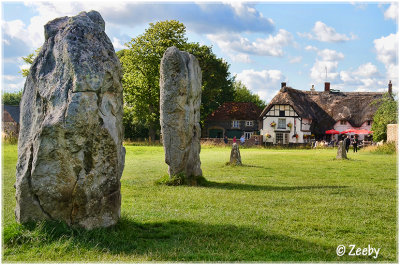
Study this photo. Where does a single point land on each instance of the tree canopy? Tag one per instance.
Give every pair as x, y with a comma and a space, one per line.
242, 94
386, 114
141, 65
11, 98
29, 60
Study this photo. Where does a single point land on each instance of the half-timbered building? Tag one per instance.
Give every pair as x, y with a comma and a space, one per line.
296, 116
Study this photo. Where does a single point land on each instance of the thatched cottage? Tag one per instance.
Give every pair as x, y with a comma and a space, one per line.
233, 119
296, 116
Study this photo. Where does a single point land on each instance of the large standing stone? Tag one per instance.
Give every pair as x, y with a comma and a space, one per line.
235, 158
70, 153
180, 99
341, 152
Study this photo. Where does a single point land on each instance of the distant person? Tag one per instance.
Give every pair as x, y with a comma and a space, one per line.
354, 145
226, 139
347, 141
234, 139
242, 139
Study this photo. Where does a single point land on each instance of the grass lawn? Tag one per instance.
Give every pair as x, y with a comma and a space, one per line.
283, 205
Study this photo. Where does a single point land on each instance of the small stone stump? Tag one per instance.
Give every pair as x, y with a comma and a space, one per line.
70, 152
341, 153
235, 159
180, 99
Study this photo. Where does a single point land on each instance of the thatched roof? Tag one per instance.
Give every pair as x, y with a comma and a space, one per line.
327, 108
235, 111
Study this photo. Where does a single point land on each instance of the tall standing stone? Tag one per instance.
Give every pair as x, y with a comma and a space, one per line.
341, 152
235, 158
180, 99
70, 153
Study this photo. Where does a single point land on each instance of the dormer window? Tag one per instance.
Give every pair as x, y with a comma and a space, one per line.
368, 122
343, 122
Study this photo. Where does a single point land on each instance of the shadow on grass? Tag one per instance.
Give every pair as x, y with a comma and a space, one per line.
166, 241
245, 165
239, 186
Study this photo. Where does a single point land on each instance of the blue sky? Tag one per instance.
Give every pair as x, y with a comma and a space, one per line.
352, 45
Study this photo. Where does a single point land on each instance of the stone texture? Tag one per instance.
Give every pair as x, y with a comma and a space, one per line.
235, 159
341, 152
180, 99
70, 153
391, 133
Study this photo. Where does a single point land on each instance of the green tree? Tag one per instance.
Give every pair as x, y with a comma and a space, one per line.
11, 98
386, 114
141, 65
242, 94
217, 84
29, 60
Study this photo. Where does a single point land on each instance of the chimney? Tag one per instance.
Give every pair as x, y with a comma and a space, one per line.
390, 87
283, 84
327, 86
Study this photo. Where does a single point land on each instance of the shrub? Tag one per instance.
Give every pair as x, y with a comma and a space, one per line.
10, 139
387, 148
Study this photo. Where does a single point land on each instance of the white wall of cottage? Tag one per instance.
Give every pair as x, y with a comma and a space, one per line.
299, 126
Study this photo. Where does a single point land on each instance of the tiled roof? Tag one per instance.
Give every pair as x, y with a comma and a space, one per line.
235, 111
13, 111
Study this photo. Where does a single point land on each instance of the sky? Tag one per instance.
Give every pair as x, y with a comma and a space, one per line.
352, 45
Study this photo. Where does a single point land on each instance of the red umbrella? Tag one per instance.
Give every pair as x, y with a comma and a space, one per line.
349, 131
332, 132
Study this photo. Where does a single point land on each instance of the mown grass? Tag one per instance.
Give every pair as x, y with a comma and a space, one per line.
282, 205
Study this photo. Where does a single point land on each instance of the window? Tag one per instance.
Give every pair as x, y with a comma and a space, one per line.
343, 122
248, 135
281, 113
368, 122
279, 138
235, 124
281, 123
249, 123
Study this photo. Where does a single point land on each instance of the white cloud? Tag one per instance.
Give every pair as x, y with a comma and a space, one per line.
367, 70
358, 5
13, 83
117, 44
365, 78
387, 53
310, 48
209, 18
10, 77
324, 33
16, 29
296, 59
264, 83
325, 66
237, 46
330, 55
392, 12
386, 48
